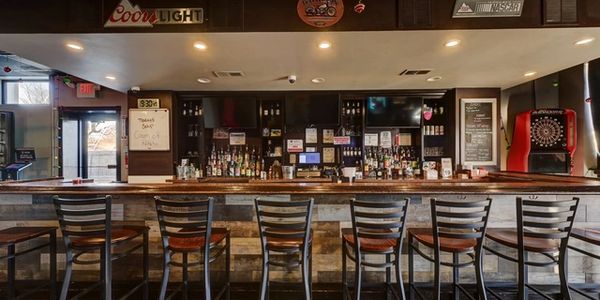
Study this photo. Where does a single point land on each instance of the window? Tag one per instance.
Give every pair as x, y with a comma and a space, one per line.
26, 92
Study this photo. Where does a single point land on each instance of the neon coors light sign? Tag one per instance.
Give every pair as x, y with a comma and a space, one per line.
129, 15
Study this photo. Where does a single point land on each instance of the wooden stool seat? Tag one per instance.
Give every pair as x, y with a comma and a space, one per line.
509, 238
197, 243
425, 237
118, 234
590, 235
16, 235
369, 245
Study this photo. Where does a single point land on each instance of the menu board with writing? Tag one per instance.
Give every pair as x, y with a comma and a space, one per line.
149, 130
478, 132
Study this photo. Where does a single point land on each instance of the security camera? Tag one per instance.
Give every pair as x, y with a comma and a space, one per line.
135, 89
292, 79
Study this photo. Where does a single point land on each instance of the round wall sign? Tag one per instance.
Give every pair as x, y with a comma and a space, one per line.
320, 13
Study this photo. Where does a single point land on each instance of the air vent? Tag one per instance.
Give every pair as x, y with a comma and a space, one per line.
228, 74
415, 72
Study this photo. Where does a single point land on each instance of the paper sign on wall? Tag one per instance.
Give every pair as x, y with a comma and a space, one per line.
295, 145
371, 139
341, 140
237, 138
328, 155
311, 135
327, 136
386, 139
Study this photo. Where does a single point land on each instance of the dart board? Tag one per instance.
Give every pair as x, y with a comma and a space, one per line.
548, 132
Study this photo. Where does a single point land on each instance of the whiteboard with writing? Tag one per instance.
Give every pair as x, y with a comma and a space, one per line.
149, 130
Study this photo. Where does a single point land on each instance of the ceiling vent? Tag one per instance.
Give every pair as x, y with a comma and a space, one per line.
415, 72
228, 74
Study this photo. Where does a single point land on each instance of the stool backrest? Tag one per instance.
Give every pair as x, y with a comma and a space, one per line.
83, 217
378, 220
545, 220
284, 220
462, 220
184, 218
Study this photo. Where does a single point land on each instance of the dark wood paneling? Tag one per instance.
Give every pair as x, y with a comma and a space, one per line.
152, 162
414, 14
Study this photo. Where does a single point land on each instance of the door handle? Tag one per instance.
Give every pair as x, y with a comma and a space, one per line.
112, 166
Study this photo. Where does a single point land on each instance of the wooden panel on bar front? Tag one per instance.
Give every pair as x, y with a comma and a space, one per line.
152, 162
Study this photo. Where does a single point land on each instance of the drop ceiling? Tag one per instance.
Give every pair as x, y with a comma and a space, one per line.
356, 60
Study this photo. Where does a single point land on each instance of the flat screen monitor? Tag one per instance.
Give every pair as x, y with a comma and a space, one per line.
309, 158
229, 112
319, 109
394, 111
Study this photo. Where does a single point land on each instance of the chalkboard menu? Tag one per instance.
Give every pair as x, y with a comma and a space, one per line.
478, 132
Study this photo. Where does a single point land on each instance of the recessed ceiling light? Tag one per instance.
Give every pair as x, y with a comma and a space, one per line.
325, 45
200, 45
434, 78
110, 77
75, 46
584, 41
203, 80
529, 74
452, 43
318, 80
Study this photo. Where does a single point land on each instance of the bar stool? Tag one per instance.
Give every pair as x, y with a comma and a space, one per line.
458, 227
86, 227
186, 228
285, 228
377, 229
591, 236
10, 237
543, 227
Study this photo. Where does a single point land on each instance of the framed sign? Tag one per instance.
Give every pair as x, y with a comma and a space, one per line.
149, 130
478, 132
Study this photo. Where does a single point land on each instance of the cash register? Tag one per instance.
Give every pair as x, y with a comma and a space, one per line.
23, 160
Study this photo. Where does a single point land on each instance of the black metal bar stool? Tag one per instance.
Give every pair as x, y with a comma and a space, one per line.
377, 229
543, 227
186, 228
458, 227
10, 237
591, 236
285, 229
87, 228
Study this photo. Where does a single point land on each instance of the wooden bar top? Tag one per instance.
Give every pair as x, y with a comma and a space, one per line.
495, 183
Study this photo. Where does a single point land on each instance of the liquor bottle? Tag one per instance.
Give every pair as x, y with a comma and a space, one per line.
269, 150
277, 111
272, 112
184, 112
265, 112
190, 111
208, 170
348, 111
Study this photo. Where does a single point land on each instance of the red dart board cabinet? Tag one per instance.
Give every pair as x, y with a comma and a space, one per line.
544, 141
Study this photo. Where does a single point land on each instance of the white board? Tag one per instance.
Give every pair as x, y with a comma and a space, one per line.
149, 130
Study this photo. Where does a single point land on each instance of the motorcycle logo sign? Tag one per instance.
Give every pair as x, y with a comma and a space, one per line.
320, 13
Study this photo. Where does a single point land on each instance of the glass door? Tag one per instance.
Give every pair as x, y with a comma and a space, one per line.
90, 144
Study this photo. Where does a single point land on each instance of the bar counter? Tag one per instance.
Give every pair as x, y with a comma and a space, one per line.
495, 183
29, 204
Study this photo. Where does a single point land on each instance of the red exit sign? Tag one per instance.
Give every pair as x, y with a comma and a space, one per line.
87, 90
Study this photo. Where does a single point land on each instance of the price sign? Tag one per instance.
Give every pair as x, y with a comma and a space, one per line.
148, 103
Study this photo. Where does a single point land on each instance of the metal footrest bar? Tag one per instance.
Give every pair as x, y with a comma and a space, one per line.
582, 293
538, 291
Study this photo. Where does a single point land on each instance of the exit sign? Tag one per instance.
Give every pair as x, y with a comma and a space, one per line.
87, 90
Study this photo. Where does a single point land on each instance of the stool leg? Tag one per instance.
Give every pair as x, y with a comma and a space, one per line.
53, 265
11, 271
455, 276
411, 266
399, 275
305, 275
388, 277
357, 275
563, 274
227, 267
344, 275
146, 265
207, 292
68, 273
436, 281
185, 275
522, 274
479, 275
165, 277
264, 284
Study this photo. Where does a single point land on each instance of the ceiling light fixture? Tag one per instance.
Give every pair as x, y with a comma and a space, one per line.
324, 45
434, 78
200, 45
75, 46
110, 77
318, 80
203, 80
452, 43
584, 41
529, 74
